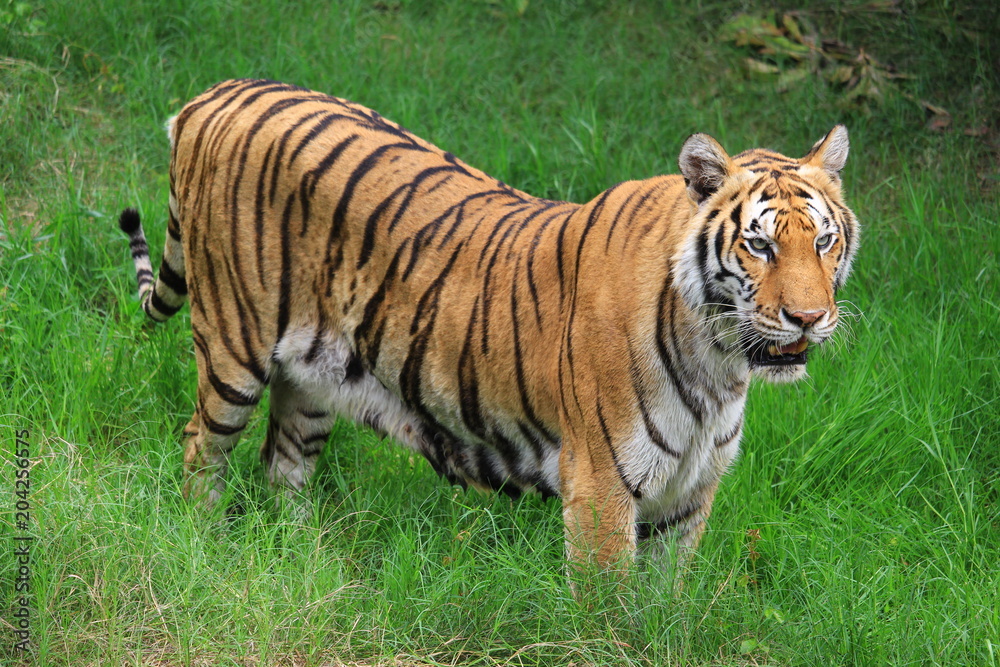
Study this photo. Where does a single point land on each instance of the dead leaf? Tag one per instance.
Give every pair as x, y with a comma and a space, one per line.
938, 123
755, 66
933, 109
788, 79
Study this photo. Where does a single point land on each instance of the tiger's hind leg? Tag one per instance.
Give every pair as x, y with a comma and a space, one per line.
227, 396
298, 429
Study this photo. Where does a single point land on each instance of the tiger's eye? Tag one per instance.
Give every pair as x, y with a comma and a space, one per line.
759, 243
823, 241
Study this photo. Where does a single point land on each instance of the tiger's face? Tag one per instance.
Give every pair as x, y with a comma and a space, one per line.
771, 244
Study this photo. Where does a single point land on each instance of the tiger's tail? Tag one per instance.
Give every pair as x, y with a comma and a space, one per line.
163, 297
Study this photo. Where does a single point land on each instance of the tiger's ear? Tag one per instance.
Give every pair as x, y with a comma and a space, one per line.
830, 152
705, 166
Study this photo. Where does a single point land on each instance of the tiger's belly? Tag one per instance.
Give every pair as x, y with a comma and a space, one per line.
504, 456
507, 454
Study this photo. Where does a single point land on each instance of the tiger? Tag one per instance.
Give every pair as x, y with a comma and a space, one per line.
599, 353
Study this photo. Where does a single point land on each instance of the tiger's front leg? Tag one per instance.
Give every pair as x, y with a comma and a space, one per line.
599, 511
678, 533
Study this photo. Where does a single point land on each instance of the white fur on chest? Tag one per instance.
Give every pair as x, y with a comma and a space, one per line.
701, 454
698, 451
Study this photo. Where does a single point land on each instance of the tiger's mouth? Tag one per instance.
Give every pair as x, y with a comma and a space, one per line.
764, 353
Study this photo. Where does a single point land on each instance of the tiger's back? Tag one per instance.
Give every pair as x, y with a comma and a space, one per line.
517, 343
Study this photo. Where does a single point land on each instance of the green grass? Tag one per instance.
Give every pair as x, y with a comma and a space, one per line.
874, 485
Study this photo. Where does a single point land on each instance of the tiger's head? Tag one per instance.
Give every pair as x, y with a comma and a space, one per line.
769, 245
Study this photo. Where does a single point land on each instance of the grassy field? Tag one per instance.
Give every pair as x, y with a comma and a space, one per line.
861, 525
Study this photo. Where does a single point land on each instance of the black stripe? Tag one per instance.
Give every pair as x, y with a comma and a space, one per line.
376, 122
250, 363
507, 451
247, 138
618, 215
285, 289
138, 247
559, 255
489, 475
655, 435
413, 184
522, 386
258, 214
160, 305
634, 490
459, 210
217, 428
375, 344
371, 225
591, 219
353, 370
724, 440
500, 224
365, 166
724, 272
372, 308
290, 438
421, 328
646, 529
736, 217
665, 357
703, 262
247, 314
638, 207
275, 444
310, 180
486, 291
321, 438
427, 305
530, 262
314, 132
843, 224
421, 239
691, 377
532, 439
314, 347
720, 242
203, 126
173, 229
282, 144
172, 279
226, 392
468, 381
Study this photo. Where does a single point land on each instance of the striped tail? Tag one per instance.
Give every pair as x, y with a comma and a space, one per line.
165, 297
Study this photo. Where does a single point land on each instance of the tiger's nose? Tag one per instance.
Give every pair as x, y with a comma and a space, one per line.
804, 318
